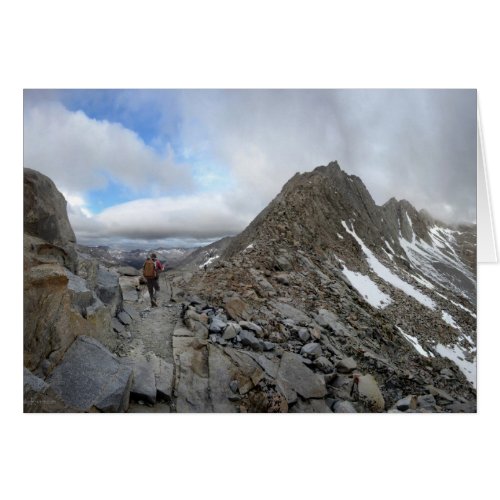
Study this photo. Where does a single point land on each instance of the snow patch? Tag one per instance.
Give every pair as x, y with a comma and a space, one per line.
388, 254
340, 236
424, 257
367, 289
388, 275
456, 354
457, 304
414, 342
411, 226
209, 261
448, 319
422, 281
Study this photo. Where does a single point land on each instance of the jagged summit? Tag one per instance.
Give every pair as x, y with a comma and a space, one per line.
312, 208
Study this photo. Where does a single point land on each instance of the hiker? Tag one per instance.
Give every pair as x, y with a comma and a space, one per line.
151, 271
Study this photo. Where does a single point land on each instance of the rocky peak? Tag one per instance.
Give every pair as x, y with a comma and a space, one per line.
401, 218
309, 210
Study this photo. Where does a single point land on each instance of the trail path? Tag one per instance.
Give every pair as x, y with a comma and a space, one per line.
151, 331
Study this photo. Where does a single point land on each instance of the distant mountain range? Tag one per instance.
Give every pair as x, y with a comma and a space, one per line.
170, 257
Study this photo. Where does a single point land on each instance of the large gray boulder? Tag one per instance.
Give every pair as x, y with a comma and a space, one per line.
288, 311
248, 339
330, 320
90, 376
45, 214
369, 392
294, 377
81, 296
108, 289
312, 349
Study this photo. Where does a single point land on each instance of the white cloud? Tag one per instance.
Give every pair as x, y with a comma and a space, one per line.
79, 153
193, 217
245, 145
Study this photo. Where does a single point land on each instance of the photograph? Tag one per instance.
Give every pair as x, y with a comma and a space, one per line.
249, 250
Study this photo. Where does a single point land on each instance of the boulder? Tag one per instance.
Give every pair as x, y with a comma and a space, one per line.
45, 214
268, 346
232, 329
81, 296
248, 339
440, 393
294, 377
248, 325
90, 376
407, 403
108, 289
324, 364
124, 318
217, 325
287, 311
282, 263
426, 401
304, 334
369, 392
312, 349
346, 365
329, 320
237, 309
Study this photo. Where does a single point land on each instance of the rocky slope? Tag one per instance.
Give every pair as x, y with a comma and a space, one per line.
328, 275
204, 256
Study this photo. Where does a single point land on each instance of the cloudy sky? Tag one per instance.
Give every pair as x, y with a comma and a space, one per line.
147, 168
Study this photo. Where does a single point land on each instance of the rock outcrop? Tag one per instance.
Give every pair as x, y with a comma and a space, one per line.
66, 295
90, 377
